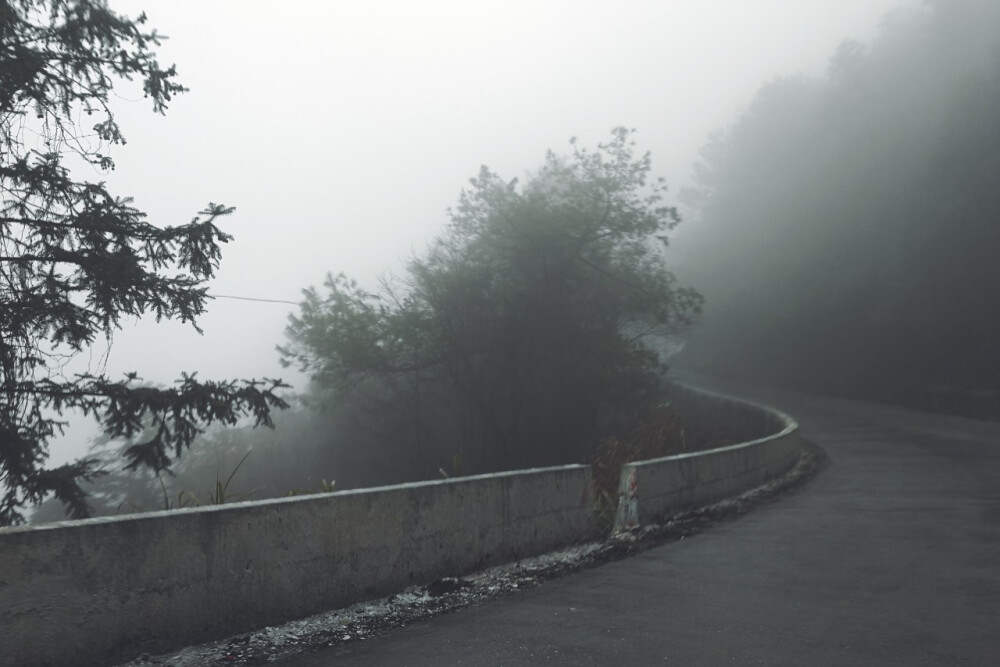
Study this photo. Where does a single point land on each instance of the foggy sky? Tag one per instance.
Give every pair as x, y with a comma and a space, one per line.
343, 131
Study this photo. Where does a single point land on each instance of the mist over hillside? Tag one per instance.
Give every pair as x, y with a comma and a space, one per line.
529, 341
846, 232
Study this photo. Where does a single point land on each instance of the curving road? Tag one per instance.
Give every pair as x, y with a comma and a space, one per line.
891, 556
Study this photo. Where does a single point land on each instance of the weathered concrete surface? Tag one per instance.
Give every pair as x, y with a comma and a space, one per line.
105, 590
652, 489
890, 557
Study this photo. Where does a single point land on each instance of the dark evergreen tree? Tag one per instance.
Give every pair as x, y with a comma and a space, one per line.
75, 258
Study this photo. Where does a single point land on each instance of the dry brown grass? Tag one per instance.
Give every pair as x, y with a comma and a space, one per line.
653, 433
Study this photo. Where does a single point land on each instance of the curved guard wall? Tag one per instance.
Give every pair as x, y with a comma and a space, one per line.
653, 489
105, 590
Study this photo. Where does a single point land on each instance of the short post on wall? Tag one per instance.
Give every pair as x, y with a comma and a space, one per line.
627, 516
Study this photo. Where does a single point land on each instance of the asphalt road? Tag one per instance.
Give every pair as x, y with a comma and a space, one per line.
891, 556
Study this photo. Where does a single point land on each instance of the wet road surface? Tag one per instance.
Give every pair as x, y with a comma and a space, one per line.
891, 556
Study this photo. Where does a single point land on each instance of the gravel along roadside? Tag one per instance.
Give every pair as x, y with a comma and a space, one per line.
377, 617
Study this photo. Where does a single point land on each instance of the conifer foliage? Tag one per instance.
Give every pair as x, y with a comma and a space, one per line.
75, 258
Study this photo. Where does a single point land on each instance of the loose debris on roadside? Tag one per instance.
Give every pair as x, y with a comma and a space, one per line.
378, 617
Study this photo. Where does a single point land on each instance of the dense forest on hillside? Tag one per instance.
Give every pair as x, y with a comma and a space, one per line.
847, 229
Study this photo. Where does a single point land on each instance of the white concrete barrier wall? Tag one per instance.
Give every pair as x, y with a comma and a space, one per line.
653, 489
104, 590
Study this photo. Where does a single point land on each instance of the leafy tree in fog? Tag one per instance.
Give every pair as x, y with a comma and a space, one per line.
521, 335
75, 258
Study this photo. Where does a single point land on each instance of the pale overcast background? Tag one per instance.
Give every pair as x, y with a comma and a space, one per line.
342, 131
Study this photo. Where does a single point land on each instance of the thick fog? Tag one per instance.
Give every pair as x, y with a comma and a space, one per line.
342, 132
846, 237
